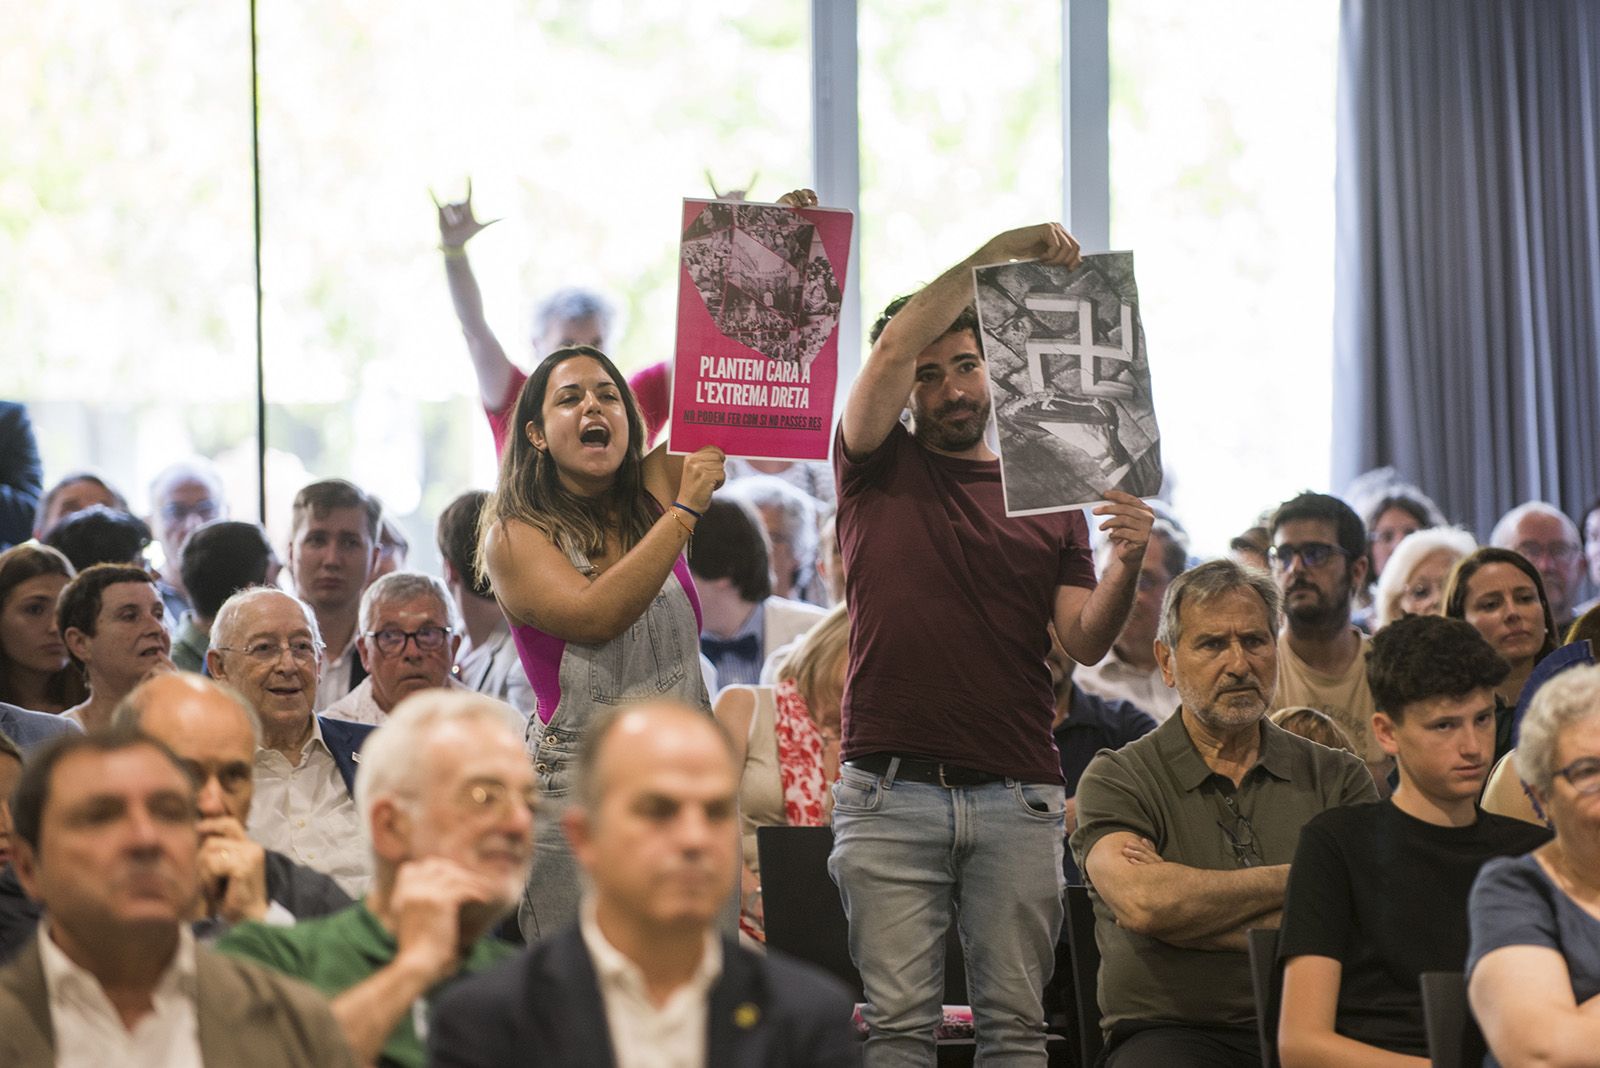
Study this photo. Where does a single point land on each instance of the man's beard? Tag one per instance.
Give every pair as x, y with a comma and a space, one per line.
1325, 611
937, 431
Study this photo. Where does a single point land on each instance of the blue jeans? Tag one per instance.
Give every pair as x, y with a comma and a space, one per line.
906, 857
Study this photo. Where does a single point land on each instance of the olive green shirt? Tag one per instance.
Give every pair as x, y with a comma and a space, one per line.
336, 952
1160, 788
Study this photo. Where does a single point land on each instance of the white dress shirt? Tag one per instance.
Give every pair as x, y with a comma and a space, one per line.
642, 1035
1114, 679
360, 705
305, 812
336, 670
88, 1030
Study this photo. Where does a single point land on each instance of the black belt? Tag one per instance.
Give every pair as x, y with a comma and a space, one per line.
921, 769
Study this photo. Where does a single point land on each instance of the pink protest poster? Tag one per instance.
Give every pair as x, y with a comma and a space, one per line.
759, 288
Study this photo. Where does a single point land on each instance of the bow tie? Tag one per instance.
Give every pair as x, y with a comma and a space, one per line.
746, 648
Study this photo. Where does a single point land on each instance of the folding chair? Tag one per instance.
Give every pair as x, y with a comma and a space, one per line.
1085, 972
1266, 979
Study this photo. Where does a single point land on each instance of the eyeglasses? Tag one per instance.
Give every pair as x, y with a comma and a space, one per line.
497, 799
1311, 554
263, 651
1583, 774
1558, 552
392, 640
1242, 838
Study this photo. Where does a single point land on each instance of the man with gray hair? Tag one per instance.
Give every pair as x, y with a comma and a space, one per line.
183, 496
407, 634
215, 732
790, 518
1543, 534
447, 798
266, 645
1185, 836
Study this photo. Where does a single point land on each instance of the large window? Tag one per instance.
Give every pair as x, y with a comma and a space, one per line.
1222, 151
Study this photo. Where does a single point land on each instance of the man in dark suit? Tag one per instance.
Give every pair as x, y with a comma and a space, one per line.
643, 979
21, 474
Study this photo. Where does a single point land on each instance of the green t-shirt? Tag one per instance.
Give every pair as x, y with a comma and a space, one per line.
334, 953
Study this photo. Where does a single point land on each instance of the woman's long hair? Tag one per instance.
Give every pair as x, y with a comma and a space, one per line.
18, 564
529, 488
1455, 590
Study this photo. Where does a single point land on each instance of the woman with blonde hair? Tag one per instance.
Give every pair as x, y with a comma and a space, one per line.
786, 739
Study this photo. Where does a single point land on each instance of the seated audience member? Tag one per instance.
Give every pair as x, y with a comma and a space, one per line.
305, 765
407, 636
1533, 969
743, 619
110, 619
1319, 558
1413, 583
790, 519
830, 560
489, 663
73, 493
1313, 725
1378, 892
106, 841
1546, 538
35, 671
393, 549
786, 744
219, 559
1591, 552
1083, 725
814, 478
1398, 512
1501, 594
214, 733
1185, 835
1129, 671
21, 474
100, 535
642, 978
333, 549
182, 497
447, 796
1249, 549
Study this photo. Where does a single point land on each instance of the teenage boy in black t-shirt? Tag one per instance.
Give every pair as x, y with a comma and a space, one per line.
1378, 892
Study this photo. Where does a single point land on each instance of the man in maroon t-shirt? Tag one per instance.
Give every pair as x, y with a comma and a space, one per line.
950, 799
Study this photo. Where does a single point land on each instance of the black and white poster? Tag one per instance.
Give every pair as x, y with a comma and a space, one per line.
1070, 381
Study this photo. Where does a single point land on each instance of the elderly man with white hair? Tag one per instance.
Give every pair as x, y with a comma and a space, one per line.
407, 634
447, 798
182, 497
790, 518
266, 645
1550, 541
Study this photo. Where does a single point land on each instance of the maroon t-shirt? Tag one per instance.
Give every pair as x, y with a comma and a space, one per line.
949, 604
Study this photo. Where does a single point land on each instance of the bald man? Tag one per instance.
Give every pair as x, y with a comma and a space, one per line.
215, 732
643, 978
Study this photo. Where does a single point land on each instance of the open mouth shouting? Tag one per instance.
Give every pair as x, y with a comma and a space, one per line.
595, 436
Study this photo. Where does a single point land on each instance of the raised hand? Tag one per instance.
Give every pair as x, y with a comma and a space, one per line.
799, 198
702, 475
1046, 242
456, 223
1127, 525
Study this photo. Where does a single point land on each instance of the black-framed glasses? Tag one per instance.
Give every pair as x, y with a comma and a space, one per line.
392, 640
1583, 774
1242, 839
1311, 554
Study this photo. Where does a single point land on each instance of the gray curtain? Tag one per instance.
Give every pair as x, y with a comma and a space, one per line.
1467, 258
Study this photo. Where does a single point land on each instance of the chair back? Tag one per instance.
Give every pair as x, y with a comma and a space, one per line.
1266, 980
1085, 972
1454, 1040
805, 917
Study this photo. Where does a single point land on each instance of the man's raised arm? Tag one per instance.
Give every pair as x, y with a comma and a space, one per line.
884, 385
